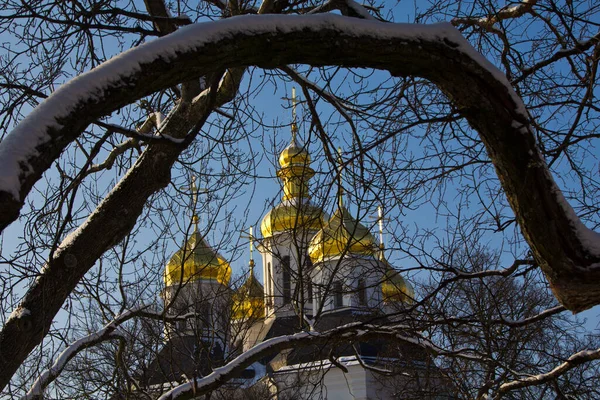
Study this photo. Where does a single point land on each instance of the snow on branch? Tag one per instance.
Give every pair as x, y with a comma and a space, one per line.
579, 48
349, 8
346, 333
536, 318
572, 362
567, 251
507, 12
109, 332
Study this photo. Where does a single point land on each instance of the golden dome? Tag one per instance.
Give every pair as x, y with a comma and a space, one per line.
342, 234
196, 260
295, 211
294, 155
249, 299
394, 287
291, 215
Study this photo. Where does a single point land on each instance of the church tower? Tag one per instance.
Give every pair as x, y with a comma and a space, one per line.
286, 231
197, 306
346, 272
197, 280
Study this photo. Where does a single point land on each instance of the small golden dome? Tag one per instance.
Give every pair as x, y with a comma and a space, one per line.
342, 234
394, 287
294, 155
249, 299
196, 260
290, 215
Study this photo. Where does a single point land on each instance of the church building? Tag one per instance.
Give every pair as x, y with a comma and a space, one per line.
319, 272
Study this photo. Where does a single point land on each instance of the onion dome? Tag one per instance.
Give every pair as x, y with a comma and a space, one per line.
295, 211
341, 235
291, 215
196, 260
294, 155
394, 287
249, 299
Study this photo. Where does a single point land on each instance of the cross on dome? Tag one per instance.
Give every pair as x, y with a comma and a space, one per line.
193, 190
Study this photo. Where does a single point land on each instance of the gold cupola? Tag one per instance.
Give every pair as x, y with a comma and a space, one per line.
342, 235
295, 211
393, 287
249, 299
196, 260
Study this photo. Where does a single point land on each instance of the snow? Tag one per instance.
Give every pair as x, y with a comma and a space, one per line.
110, 330
541, 315
42, 381
588, 238
20, 145
353, 331
359, 9
571, 362
18, 313
224, 370
346, 361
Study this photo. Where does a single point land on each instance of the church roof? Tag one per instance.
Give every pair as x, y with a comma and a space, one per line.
180, 359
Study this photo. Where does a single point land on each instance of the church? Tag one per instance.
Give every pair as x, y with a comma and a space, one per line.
319, 272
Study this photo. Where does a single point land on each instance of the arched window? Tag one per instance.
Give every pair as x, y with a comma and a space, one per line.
287, 285
338, 294
269, 280
362, 292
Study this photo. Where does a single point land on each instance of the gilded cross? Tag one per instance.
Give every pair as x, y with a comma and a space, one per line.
294, 122
193, 190
250, 238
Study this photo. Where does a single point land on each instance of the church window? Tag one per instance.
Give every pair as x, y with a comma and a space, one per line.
318, 297
269, 279
338, 294
287, 285
362, 292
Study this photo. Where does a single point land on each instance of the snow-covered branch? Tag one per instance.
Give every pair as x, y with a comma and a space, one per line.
579, 48
499, 321
109, 332
572, 362
567, 251
536, 318
349, 8
347, 334
507, 12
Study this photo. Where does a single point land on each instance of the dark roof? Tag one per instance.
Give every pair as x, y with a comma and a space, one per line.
373, 349
284, 326
184, 355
